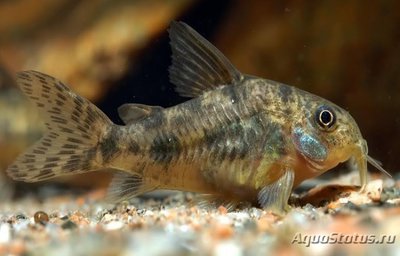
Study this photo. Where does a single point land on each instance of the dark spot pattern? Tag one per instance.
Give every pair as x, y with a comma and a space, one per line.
165, 148
244, 140
46, 173
108, 145
73, 127
192, 106
178, 120
286, 93
155, 121
209, 175
231, 93
133, 147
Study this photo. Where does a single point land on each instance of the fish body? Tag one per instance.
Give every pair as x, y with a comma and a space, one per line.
240, 137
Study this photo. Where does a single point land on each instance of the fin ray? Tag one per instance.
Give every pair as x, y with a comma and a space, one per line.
132, 112
197, 65
125, 186
209, 201
275, 196
73, 129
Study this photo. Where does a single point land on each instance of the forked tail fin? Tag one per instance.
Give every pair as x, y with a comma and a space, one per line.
74, 127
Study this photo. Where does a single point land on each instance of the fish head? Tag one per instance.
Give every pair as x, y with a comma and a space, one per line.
328, 135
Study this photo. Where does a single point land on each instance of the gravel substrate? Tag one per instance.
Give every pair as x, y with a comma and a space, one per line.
349, 223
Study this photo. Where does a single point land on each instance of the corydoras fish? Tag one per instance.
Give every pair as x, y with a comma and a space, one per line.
240, 137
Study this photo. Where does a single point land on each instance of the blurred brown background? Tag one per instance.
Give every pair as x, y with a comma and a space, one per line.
117, 51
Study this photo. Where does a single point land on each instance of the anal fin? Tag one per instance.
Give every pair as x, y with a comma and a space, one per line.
125, 186
275, 196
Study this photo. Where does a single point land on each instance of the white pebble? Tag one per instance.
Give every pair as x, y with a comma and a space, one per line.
224, 220
240, 216
5, 233
108, 218
114, 225
228, 248
21, 225
148, 213
185, 228
255, 212
299, 217
170, 227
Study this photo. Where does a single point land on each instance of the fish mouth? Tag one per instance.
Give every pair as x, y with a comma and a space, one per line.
362, 159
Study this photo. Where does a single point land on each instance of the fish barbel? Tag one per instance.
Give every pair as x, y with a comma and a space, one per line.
240, 137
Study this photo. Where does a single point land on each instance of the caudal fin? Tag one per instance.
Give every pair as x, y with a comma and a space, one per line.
74, 127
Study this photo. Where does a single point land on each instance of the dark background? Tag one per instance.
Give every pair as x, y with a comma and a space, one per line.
148, 83
347, 52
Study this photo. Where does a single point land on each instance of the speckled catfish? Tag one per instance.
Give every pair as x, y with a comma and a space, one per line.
240, 137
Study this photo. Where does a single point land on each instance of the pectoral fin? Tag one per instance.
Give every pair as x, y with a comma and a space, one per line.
275, 196
124, 186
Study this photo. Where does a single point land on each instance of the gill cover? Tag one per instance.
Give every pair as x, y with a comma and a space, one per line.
309, 146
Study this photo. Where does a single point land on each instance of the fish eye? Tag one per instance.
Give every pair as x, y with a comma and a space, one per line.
325, 117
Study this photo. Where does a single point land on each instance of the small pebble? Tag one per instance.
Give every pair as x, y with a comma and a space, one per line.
255, 212
69, 225
17, 248
21, 225
228, 248
222, 209
265, 223
5, 233
239, 216
374, 190
41, 217
20, 217
223, 231
114, 225
108, 218
223, 219
65, 217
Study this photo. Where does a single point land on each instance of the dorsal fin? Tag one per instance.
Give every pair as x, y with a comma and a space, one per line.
197, 65
132, 112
